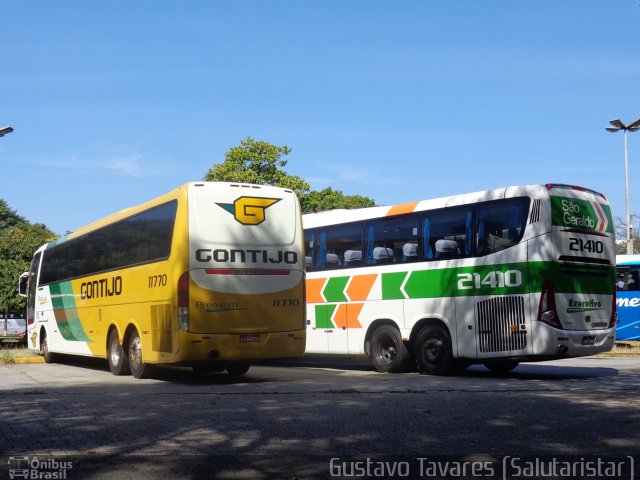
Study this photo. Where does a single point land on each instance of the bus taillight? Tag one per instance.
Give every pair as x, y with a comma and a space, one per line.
614, 313
547, 310
183, 301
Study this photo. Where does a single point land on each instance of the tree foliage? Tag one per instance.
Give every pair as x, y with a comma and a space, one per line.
17, 244
621, 235
257, 162
262, 163
9, 217
329, 199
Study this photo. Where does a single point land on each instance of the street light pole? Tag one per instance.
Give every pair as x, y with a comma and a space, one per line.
616, 126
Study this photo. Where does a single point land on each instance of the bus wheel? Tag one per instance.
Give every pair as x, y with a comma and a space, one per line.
118, 360
239, 369
139, 369
387, 352
433, 351
501, 366
44, 349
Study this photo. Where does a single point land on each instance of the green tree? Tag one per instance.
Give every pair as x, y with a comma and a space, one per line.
329, 199
262, 163
257, 162
17, 244
621, 234
9, 217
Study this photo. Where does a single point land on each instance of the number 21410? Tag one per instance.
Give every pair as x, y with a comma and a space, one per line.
495, 279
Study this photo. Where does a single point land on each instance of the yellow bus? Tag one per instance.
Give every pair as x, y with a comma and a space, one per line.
209, 275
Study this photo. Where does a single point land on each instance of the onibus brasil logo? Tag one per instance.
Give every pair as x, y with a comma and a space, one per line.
249, 210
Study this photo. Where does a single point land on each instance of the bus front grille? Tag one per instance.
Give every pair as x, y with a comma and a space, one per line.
501, 324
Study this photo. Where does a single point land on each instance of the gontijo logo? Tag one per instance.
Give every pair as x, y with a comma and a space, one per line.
249, 210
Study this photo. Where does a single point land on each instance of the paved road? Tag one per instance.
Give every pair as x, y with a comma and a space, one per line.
290, 411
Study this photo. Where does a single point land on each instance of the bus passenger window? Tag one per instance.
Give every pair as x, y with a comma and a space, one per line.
501, 224
628, 278
446, 233
334, 243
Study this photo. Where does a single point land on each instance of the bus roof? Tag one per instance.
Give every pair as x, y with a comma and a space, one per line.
628, 259
338, 216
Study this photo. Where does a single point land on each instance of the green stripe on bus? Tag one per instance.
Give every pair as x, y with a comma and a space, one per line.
502, 279
324, 314
334, 289
66, 313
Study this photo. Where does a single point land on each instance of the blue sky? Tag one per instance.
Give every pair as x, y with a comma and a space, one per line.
114, 103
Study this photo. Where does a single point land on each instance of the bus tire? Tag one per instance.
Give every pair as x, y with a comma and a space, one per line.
139, 369
118, 360
433, 351
387, 351
501, 366
238, 369
44, 349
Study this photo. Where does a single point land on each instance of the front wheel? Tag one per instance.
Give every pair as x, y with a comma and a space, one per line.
139, 369
44, 349
387, 352
433, 351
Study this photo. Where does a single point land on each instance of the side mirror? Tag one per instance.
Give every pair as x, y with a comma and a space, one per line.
23, 280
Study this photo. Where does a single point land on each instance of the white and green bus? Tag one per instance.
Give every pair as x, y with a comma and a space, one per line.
523, 273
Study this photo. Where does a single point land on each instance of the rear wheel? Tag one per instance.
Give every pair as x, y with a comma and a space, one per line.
238, 369
387, 352
501, 366
139, 369
433, 351
118, 360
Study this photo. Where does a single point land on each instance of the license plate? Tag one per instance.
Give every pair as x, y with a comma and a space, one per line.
249, 338
588, 340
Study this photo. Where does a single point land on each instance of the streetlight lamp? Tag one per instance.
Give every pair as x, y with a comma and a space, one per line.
617, 125
5, 130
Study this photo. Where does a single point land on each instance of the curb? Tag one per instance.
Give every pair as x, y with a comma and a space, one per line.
29, 360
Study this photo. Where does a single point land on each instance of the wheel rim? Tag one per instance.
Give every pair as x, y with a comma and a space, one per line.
135, 353
433, 350
386, 350
44, 349
114, 350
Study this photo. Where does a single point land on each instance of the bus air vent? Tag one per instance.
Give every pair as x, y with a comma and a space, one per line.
535, 212
501, 324
161, 328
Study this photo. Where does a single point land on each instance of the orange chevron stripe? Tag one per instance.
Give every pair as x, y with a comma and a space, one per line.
314, 290
340, 317
402, 208
360, 286
353, 315
347, 314
602, 218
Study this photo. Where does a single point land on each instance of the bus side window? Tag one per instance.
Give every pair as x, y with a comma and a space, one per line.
392, 240
309, 249
500, 225
446, 234
339, 246
628, 278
